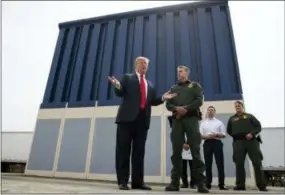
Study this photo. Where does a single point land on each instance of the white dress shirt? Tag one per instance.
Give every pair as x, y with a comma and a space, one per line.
145, 81
212, 125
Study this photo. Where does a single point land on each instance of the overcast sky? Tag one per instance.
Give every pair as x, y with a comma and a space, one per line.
30, 31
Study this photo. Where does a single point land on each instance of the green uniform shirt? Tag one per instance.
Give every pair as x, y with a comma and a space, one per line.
243, 124
189, 94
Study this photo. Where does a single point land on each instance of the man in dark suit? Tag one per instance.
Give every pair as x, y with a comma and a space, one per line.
133, 120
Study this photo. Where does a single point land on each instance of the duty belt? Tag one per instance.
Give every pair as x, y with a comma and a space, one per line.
243, 137
190, 114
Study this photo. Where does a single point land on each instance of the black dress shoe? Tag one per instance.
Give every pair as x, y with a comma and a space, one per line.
263, 189
171, 188
239, 188
185, 185
123, 187
223, 188
142, 187
202, 189
193, 186
209, 186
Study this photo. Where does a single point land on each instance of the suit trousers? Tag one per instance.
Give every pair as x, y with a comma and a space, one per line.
184, 175
130, 141
214, 148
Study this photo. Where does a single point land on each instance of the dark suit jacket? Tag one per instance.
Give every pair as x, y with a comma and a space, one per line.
130, 99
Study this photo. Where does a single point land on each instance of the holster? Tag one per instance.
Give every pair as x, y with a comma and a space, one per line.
170, 120
258, 138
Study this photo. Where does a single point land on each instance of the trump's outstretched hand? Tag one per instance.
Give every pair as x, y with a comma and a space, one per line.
114, 82
168, 95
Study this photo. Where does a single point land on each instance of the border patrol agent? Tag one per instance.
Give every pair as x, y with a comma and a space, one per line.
185, 119
244, 128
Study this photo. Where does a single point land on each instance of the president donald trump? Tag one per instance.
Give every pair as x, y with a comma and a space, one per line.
133, 119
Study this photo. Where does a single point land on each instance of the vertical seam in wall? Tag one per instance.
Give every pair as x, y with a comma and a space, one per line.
59, 140
163, 145
90, 143
33, 139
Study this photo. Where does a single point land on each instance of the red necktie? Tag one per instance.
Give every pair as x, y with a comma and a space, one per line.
143, 92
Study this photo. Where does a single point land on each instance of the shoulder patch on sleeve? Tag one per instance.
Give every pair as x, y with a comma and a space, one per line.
196, 84
250, 115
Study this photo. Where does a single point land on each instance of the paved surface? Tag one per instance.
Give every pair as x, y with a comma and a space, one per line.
21, 184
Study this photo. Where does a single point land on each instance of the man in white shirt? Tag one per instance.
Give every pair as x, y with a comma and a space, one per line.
212, 131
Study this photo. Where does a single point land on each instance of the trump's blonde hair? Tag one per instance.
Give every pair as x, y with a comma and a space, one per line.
142, 58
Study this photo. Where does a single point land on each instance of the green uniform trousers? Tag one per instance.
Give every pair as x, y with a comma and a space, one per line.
190, 126
252, 148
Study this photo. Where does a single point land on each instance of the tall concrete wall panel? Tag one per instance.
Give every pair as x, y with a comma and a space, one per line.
75, 132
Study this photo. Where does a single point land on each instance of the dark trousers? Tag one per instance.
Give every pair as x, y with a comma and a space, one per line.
190, 126
251, 147
131, 136
184, 175
214, 148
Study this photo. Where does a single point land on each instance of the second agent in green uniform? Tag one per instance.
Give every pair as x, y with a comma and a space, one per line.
244, 128
185, 119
